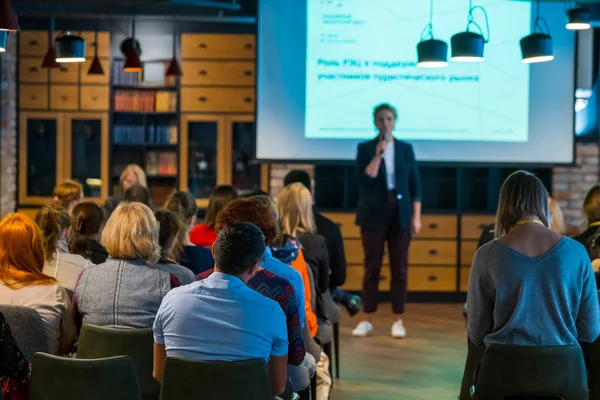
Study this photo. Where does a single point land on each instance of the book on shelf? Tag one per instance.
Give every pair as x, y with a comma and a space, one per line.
128, 134
145, 100
163, 163
153, 74
166, 101
163, 133
121, 77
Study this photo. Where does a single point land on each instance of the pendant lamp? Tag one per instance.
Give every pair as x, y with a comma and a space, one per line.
8, 18
174, 68
431, 53
537, 47
69, 48
468, 46
579, 19
50, 57
132, 53
3, 37
96, 67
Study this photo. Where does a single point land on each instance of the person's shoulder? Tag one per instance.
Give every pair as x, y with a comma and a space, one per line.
270, 278
575, 247
404, 145
282, 269
482, 252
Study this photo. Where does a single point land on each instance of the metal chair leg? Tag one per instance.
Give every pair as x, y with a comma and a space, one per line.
336, 346
313, 387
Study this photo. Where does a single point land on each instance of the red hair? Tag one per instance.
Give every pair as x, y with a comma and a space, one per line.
21, 253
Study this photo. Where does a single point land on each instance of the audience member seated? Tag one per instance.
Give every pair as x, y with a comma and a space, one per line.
204, 234
87, 222
137, 194
335, 248
247, 325
591, 208
24, 284
532, 286
170, 239
132, 175
195, 258
125, 291
55, 224
14, 368
68, 193
275, 287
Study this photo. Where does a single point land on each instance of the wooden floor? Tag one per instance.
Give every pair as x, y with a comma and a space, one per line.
427, 365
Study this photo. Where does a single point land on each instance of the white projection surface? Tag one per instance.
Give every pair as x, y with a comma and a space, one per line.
324, 64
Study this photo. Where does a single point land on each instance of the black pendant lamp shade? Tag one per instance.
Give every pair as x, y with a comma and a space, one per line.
96, 67
467, 47
579, 19
432, 53
132, 50
174, 68
69, 48
536, 48
3, 36
50, 57
8, 18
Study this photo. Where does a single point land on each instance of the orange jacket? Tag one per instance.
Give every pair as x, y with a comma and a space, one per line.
300, 265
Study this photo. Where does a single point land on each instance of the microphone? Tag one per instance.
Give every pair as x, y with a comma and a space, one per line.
384, 139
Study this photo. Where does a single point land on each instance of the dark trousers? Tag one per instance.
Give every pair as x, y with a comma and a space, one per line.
373, 241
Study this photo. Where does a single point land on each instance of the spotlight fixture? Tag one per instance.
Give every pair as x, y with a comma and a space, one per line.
96, 67
50, 57
131, 48
69, 48
3, 36
431, 53
8, 18
537, 47
468, 46
579, 18
174, 68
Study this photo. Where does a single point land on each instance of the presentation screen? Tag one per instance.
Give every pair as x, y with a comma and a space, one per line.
323, 65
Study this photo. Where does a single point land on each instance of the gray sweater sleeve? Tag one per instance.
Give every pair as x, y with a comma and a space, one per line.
480, 298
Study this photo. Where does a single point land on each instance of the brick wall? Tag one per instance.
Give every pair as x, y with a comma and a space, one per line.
570, 185
279, 171
8, 131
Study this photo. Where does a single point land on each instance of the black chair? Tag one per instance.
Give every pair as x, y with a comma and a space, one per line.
61, 378
215, 380
531, 372
591, 353
474, 356
335, 315
100, 342
27, 329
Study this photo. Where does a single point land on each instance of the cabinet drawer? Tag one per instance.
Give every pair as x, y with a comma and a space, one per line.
354, 278
467, 251
438, 226
33, 97
90, 44
33, 43
434, 252
94, 98
222, 73
464, 278
346, 223
223, 46
64, 97
353, 249
217, 99
84, 67
472, 225
67, 73
431, 279
30, 70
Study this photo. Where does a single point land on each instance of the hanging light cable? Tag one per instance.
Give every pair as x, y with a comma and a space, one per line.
468, 46
174, 68
579, 18
431, 53
537, 47
96, 66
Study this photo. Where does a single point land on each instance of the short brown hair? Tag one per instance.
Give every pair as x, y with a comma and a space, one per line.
183, 204
219, 198
254, 211
591, 204
385, 107
131, 233
66, 192
522, 194
52, 219
87, 220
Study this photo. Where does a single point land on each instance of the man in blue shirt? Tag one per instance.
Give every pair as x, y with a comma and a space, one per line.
220, 318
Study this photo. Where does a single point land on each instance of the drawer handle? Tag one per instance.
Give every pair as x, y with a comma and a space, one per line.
202, 72
202, 99
481, 226
247, 99
63, 69
33, 69
33, 96
202, 45
34, 43
248, 73
432, 278
64, 98
94, 44
94, 98
433, 226
433, 252
248, 46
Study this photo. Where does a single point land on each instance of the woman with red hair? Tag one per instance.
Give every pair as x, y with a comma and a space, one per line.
22, 282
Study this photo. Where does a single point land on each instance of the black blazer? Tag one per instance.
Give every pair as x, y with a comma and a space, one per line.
371, 211
335, 249
315, 254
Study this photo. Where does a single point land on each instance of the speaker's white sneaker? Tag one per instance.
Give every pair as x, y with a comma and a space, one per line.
363, 329
398, 330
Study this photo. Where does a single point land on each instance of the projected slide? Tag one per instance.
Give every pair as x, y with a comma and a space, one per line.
363, 52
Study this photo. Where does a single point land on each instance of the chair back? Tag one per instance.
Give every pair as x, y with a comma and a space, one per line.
474, 356
592, 351
542, 371
61, 378
325, 333
27, 329
101, 341
333, 310
215, 380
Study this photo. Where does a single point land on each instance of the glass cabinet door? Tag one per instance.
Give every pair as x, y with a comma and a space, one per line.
86, 143
41, 155
201, 152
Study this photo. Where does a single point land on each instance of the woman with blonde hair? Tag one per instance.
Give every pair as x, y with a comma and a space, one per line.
22, 282
131, 240
55, 224
68, 193
557, 221
133, 174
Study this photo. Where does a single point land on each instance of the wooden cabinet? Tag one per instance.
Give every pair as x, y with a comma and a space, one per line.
90, 44
472, 225
205, 99
64, 97
33, 97
33, 43
95, 98
218, 46
84, 67
31, 71
218, 73
67, 73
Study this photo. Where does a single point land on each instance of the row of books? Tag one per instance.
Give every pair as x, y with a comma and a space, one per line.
161, 163
162, 133
129, 134
153, 73
145, 100
157, 134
